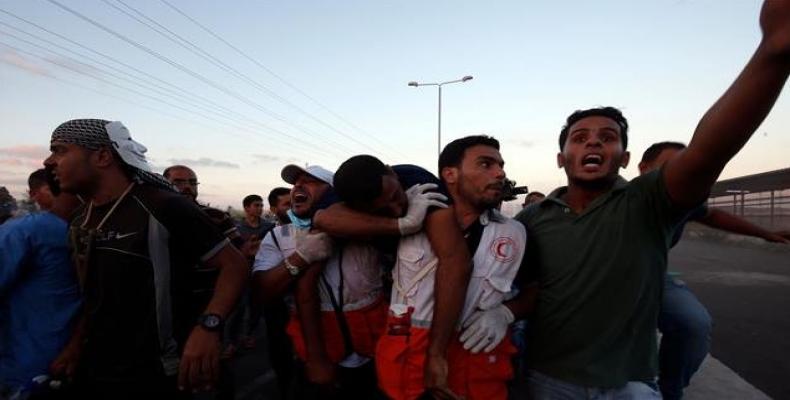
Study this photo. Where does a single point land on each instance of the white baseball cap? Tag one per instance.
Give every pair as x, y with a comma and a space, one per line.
292, 172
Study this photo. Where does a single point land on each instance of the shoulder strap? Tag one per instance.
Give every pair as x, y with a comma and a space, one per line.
274, 238
401, 295
337, 305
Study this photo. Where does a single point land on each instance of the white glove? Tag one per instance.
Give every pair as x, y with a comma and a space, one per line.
419, 202
312, 247
484, 330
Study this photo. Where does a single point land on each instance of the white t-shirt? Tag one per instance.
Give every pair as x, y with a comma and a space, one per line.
362, 273
362, 270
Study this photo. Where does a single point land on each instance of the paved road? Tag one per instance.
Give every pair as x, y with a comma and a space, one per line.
746, 286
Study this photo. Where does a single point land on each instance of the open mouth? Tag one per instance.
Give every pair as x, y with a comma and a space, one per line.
592, 161
299, 198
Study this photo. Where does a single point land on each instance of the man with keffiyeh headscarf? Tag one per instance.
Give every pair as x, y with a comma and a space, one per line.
134, 243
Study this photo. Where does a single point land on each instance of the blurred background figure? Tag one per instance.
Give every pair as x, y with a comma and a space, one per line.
532, 198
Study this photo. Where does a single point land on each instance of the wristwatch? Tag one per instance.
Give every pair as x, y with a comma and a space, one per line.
292, 269
210, 322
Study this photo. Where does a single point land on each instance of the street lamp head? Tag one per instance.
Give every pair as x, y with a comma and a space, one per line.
413, 83
466, 78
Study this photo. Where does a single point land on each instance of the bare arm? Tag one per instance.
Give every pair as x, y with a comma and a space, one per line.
731, 223
319, 369
233, 275
199, 366
452, 279
341, 221
65, 364
731, 121
524, 303
274, 283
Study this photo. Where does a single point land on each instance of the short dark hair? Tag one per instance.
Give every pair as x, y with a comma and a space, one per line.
609, 112
358, 180
251, 199
453, 153
535, 194
166, 172
37, 179
656, 149
275, 194
41, 177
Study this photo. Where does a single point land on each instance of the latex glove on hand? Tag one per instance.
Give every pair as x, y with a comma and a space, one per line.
419, 202
312, 247
484, 330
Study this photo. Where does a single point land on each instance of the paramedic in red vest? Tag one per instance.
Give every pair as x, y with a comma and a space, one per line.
479, 360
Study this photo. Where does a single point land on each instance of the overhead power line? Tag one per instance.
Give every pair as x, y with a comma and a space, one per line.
195, 49
180, 67
276, 76
185, 95
122, 87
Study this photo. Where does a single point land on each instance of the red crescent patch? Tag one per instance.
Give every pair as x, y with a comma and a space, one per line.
503, 249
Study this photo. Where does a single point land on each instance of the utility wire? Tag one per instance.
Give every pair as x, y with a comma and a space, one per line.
175, 65
98, 78
276, 76
137, 84
186, 94
195, 49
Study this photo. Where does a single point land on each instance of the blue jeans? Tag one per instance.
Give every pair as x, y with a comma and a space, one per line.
685, 326
544, 387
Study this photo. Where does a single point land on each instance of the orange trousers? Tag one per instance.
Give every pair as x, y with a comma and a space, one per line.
400, 362
365, 325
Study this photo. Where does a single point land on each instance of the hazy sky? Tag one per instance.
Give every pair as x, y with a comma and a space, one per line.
326, 80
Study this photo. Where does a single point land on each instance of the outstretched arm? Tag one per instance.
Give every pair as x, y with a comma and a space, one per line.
731, 121
341, 221
725, 221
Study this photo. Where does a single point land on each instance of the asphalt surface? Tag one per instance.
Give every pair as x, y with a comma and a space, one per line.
745, 284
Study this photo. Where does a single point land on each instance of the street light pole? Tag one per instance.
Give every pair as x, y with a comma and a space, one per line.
439, 133
439, 85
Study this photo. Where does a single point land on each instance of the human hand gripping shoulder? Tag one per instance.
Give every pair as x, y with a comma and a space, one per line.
420, 200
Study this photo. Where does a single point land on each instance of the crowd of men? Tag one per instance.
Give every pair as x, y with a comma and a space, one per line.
375, 281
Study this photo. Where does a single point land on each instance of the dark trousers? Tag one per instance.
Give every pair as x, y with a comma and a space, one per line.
158, 387
281, 353
352, 383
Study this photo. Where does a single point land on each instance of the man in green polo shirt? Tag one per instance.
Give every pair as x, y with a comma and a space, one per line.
598, 247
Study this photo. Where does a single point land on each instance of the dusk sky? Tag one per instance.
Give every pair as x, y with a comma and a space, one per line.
316, 82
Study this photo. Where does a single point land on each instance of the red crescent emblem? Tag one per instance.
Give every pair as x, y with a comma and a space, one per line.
503, 249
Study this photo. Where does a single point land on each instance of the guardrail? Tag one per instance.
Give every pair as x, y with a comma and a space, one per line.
770, 209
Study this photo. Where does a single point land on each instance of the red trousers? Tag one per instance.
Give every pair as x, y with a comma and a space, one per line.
400, 362
365, 325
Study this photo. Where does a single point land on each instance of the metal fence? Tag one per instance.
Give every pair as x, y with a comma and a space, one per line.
769, 209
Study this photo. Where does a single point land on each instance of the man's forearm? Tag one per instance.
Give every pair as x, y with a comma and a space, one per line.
726, 127
451, 277
233, 275
274, 283
524, 303
308, 308
731, 223
341, 221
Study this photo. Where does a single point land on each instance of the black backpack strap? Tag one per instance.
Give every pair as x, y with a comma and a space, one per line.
270, 231
337, 305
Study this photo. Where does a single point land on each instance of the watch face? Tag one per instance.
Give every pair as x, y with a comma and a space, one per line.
211, 321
